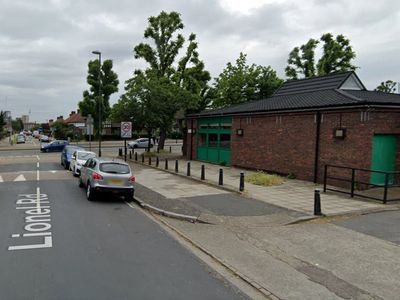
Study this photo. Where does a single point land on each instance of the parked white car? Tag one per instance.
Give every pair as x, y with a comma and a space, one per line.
140, 143
78, 159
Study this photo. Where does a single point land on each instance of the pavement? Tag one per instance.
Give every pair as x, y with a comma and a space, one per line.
249, 234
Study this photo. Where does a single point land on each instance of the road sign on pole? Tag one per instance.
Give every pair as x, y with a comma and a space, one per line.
126, 130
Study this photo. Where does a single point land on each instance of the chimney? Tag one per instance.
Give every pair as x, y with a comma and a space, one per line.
72, 113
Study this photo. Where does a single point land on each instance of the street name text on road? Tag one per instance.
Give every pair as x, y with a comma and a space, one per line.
37, 220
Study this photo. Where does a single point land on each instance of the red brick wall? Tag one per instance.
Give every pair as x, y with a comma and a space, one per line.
286, 143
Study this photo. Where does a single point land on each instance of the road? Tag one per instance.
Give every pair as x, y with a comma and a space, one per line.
65, 247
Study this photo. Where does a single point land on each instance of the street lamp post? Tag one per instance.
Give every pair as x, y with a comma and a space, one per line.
100, 99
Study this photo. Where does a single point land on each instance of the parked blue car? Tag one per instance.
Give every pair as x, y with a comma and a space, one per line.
54, 146
66, 154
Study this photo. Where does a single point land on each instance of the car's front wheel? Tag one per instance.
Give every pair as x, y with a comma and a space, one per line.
129, 196
47, 150
89, 192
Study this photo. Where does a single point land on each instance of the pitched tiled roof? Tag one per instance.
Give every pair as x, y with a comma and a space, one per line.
314, 93
75, 118
327, 82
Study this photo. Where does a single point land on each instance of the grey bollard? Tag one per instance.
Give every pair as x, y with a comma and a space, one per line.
149, 160
221, 177
241, 183
317, 203
120, 152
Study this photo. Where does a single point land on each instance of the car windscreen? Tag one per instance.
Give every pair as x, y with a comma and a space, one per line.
85, 155
114, 168
70, 150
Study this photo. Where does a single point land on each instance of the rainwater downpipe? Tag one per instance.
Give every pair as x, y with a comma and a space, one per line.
317, 134
191, 140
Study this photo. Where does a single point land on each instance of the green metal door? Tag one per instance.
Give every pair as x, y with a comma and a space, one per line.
384, 149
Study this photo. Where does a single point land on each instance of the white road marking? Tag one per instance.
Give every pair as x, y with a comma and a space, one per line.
20, 178
15, 235
127, 203
37, 156
38, 197
37, 175
53, 171
37, 164
1, 179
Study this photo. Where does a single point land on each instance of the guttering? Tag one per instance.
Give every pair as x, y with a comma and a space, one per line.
329, 108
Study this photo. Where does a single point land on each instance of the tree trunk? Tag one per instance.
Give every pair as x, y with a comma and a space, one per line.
148, 141
163, 136
184, 138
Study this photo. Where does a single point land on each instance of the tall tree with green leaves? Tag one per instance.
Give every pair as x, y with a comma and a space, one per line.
2, 124
108, 83
337, 56
173, 81
240, 82
389, 86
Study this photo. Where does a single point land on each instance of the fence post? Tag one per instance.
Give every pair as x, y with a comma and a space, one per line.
317, 203
166, 164
385, 192
157, 161
176, 166
353, 175
325, 177
188, 169
203, 172
142, 158
241, 183
135, 156
149, 160
221, 177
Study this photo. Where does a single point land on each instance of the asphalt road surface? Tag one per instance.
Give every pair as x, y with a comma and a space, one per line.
65, 247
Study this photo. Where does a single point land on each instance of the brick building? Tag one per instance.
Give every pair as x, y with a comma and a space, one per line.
304, 126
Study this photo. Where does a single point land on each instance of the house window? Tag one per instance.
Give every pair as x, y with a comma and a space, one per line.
212, 140
225, 141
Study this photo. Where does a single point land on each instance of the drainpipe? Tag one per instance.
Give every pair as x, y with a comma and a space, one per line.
317, 134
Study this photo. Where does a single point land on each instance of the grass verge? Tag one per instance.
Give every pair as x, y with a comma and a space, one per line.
264, 179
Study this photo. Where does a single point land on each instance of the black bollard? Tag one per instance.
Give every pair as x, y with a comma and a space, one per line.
317, 203
166, 164
149, 160
157, 161
221, 177
176, 166
135, 156
120, 152
130, 154
142, 158
170, 149
203, 172
241, 183
188, 169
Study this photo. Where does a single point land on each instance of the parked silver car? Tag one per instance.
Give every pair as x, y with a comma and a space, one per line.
140, 143
107, 175
78, 159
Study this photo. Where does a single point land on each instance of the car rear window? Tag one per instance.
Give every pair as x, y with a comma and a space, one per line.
114, 168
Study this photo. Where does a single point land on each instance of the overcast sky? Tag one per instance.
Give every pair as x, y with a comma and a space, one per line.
45, 45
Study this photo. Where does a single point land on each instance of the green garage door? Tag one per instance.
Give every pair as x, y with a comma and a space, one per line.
214, 140
384, 150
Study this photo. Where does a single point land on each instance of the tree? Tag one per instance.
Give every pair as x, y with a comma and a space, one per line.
337, 56
169, 84
91, 98
62, 130
389, 86
17, 125
241, 83
2, 124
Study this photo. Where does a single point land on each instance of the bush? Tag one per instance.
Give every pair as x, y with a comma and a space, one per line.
264, 179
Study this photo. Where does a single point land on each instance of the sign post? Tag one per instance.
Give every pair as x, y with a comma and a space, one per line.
126, 133
89, 129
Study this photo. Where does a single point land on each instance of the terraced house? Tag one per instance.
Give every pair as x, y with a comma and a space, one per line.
305, 125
